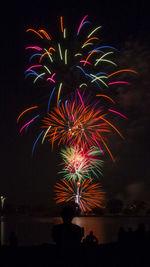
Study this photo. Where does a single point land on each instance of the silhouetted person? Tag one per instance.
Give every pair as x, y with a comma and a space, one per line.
91, 239
140, 233
13, 241
130, 237
122, 235
67, 235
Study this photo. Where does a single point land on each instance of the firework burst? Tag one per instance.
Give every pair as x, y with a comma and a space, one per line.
87, 195
71, 60
80, 163
80, 124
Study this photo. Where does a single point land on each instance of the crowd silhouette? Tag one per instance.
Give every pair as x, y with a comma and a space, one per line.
72, 248
138, 237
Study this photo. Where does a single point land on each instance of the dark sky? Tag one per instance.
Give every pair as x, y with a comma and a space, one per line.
25, 180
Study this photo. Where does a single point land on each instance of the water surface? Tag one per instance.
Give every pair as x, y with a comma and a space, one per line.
36, 231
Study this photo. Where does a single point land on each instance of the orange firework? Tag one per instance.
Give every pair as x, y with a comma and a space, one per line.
87, 195
80, 124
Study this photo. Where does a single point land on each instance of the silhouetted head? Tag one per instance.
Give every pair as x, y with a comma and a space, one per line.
141, 227
12, 234
91, 233
68, 214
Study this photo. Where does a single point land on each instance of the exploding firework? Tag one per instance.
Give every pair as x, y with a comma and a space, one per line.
80, 163
87, 195
80, 124
63, 64
73, 122
71, 61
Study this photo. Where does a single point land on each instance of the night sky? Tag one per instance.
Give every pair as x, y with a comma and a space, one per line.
26, 180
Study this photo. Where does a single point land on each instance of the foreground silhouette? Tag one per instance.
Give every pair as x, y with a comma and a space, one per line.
13, 241
67, 234
90, 240
131, 249
67, 237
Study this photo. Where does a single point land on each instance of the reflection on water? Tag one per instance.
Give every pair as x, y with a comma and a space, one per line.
92, 224
35, 231
2, 231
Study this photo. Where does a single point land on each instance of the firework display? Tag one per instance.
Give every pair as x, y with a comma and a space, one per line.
67, 68
71, 61
80, 163
66, 62
76, 123
87, 194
